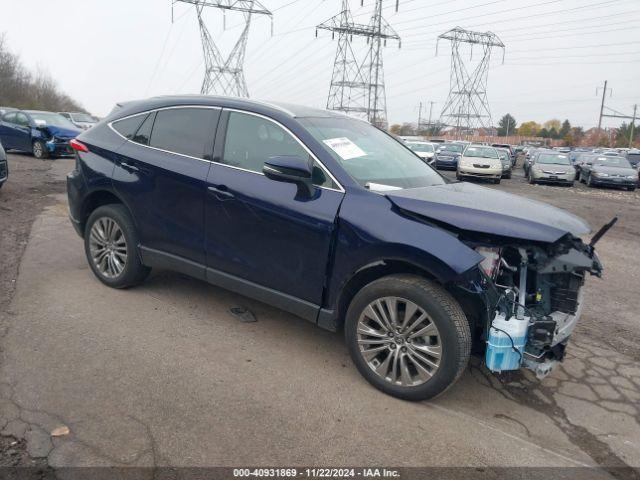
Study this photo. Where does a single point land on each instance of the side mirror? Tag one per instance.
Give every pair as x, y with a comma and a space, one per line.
291, 169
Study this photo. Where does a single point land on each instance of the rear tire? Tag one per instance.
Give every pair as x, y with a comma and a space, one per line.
39, 150
111, 246
420, 359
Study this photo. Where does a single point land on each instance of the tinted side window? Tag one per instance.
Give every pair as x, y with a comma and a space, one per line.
22, 120
144, 132
9, 117
129, 126
188, 131
252, 140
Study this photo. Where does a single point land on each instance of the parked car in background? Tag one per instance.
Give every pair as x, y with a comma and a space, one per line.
507, 147
480, 161
505, 158
43, 134
80, 119
447, 155
355, 233
527, 161
4, 166
633, 156
4, 110
551, 167
424, 150
609, 171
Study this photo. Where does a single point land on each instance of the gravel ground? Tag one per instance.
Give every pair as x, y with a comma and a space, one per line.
22, 198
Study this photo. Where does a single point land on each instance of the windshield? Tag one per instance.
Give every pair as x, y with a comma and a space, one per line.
369, 155
553, 159
420, 147
503, 155
52, 119
451, 147
618, 162
483, 152
82, 117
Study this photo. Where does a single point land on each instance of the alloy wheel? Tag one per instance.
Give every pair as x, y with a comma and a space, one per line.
399, 342
37, 150
108, 247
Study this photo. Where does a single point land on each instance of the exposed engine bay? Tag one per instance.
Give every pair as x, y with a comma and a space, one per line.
536, 301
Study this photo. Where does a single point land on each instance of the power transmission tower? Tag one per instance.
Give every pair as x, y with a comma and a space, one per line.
222, 75
358, 87
467, 107
421, 124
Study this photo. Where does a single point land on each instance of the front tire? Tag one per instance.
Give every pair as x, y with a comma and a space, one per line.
407, 336
111, 246
40, 150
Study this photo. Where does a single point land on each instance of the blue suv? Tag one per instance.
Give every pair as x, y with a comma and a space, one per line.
44, 134
332, 219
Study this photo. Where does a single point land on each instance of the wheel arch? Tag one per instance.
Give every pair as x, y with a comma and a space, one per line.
369, 273
98, 198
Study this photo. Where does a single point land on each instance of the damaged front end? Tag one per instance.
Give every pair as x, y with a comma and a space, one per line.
533, 298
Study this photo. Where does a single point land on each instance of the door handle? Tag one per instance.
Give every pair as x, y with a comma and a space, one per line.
220, 191
129, 167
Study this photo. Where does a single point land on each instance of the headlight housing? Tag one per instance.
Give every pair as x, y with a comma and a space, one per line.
491, 260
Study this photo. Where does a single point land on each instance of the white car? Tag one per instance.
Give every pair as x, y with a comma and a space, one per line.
480, 161
424, 150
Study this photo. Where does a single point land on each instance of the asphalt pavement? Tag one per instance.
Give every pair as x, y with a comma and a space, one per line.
164, 374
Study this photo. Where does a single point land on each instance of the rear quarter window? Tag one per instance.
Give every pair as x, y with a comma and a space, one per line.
187, 131
128, 127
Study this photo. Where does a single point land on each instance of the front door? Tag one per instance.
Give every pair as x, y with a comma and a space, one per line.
260, 230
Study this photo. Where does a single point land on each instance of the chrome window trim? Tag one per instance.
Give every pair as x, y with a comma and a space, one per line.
322, 166
146, 112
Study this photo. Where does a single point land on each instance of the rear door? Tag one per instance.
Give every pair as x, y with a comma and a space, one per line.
161, 173
261, 230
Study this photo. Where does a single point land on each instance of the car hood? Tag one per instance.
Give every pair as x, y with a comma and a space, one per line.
63, 133
448, 154
479, 209
613, 170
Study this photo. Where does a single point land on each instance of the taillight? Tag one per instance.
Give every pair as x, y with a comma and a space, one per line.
78, 146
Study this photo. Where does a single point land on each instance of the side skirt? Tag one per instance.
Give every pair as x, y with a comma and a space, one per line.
301, 308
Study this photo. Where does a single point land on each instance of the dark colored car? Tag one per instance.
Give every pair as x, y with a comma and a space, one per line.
506, 146
4, 166
43, 134
334, 220
447, 156
608, 171
633, 156
507, 165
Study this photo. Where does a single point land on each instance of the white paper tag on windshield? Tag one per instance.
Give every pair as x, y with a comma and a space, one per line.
345, 148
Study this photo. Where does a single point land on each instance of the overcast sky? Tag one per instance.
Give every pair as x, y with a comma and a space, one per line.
557, 51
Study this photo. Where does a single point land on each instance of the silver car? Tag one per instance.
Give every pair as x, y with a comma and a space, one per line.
480, 161
551, 167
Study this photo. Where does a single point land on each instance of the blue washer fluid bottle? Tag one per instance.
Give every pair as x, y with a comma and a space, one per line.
500, 354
